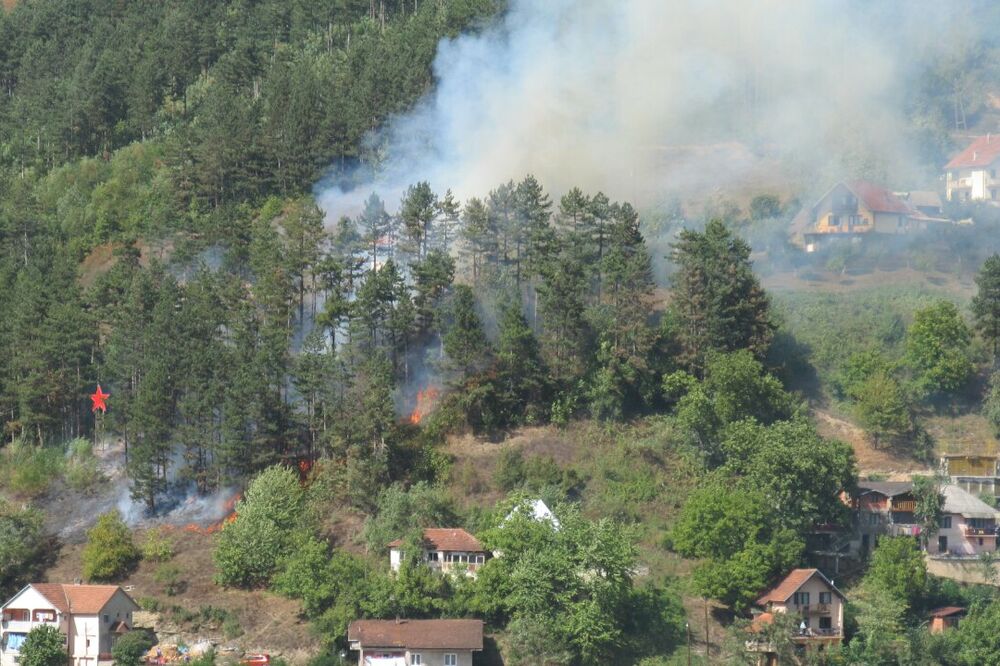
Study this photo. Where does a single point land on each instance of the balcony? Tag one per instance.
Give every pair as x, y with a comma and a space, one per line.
981, 531
816, 609
904, 506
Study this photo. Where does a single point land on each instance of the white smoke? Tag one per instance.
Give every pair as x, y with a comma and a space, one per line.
645, 98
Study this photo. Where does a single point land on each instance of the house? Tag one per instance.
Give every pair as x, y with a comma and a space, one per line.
535, 509
882, 508
814, 601
413, 642
972, 174
977, 474
945, 618
925, 201
91, 616
853, 209
444, 550
968, 525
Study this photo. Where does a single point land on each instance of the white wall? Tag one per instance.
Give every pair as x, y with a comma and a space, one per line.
28, 599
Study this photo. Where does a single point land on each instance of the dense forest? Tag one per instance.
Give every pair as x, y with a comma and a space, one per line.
159, 236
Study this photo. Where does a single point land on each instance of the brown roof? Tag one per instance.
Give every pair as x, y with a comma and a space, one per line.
887, 488
447, 539
982, 152
946, 611
417, 634
878, 199
83, 599
792, 582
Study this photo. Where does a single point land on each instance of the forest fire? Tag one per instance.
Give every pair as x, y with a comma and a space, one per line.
230, 509
426, 401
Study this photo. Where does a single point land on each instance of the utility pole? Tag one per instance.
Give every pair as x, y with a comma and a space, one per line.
708, 650
687, 628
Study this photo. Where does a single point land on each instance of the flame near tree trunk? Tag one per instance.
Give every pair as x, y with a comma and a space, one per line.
427, 398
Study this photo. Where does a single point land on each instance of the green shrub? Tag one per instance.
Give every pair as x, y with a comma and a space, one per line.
130, 648
110, 553
81, 466
158, 547
29, 470
44, 646
250, 547
169, 576
231, 627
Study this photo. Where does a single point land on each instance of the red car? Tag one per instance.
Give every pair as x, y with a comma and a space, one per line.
256, 660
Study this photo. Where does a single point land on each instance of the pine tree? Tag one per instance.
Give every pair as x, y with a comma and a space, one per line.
465, 342
374, 224
418, 211
718, 301
986, 302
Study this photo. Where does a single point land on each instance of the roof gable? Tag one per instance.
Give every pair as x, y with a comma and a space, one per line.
982, 152
795, 579
964, 503
78, 599
887, 488
417, 634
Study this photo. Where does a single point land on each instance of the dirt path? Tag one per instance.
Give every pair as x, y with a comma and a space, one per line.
870, 459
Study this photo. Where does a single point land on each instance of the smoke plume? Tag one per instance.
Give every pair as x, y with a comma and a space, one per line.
653, 98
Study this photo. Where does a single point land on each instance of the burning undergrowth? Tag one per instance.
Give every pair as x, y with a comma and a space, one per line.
71, 513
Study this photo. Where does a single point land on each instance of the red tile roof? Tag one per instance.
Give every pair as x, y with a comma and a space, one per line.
946, 611
761, 621
82, 599
417, 634
447, 539
790, 585
878, 199
982, 152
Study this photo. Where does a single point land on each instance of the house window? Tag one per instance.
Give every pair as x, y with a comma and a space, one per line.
44, 616
106, 619
416, 659
826, 622
451, 660
946, 522
801, 599
433, 557
825, 597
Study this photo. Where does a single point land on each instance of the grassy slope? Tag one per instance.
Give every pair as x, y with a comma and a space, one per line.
269, 622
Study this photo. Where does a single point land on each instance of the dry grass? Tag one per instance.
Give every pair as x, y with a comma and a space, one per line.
269, 622
870, 459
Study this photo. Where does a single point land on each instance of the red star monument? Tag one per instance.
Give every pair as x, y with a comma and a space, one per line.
98, 399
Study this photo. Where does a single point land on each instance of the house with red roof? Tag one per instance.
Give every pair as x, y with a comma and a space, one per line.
816, 604
91, 617
415, 642
946, 618
972, 174
857, 208
444, 549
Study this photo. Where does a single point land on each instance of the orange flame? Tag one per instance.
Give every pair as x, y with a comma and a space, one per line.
230, 506
426, 400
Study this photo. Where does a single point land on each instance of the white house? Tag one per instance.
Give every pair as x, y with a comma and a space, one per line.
443, 549
972, 174
90, 616
968, 525
415, 642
